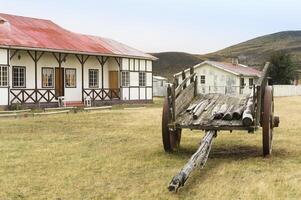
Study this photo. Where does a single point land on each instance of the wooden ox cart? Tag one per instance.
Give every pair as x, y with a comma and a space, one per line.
184, 108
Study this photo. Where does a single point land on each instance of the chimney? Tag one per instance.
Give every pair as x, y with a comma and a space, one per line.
235, 61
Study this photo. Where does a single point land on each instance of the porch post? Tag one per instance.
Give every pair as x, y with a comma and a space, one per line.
8, 77
102, 60
35, 59
82, 60
119, 62
83, 82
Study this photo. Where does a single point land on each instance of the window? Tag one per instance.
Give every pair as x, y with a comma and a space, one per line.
142, 79
47, 77
93, 78
125, 79
3, 76
19, 74
203, 79
251, 81
70, 78
242, 82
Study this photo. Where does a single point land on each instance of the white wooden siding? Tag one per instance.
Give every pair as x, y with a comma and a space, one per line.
3, 57
3, 96
125, 64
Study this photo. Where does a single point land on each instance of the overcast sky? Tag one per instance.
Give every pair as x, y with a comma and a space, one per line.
195, 26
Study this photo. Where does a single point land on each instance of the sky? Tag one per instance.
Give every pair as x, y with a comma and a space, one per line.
194, 26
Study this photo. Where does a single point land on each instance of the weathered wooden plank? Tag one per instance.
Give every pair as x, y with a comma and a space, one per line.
198, 159
200, 109
263, 78
220, 113
14, 111
184, 99
205, 120
59, 108
229, 114
247, 116
52, 113
183, 83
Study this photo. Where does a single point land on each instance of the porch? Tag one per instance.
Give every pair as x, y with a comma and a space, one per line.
40, 78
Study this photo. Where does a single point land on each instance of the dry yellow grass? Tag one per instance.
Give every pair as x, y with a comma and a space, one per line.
118, 154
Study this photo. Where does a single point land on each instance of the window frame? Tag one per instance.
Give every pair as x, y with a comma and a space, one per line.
53, 77
70, 69
97, 78
7, 76
251, 80
125, 82
13, 76
242, 82
142, 79
202, 79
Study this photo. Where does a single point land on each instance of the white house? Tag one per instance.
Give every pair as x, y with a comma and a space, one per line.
159, 86
41, 61
221, 77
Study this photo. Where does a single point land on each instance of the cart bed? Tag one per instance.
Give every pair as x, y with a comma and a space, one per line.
205, 121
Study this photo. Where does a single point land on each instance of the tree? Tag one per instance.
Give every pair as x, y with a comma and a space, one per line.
283, 70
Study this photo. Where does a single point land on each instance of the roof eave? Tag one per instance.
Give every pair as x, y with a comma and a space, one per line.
76, 52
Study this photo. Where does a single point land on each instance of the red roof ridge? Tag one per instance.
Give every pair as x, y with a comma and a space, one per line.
22, 16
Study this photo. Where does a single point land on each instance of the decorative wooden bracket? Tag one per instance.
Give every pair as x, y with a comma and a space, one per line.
59, 58
14, 53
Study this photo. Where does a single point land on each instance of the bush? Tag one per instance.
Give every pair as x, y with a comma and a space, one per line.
16, 106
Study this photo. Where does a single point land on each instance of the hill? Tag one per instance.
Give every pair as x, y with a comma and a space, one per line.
258, 50
170, 63
254, 52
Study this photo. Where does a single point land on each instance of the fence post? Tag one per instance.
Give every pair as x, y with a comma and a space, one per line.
191, 72
195, 86
183, 78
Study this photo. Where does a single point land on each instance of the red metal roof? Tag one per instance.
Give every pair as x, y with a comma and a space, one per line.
25, 32
236, 68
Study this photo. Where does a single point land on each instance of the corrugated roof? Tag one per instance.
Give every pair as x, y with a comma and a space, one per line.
237, 69
25, 32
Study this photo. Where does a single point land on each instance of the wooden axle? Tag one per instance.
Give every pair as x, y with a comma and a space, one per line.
198, 159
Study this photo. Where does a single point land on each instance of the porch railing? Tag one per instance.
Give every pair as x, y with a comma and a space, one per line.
232, 90
102, 94
32, 95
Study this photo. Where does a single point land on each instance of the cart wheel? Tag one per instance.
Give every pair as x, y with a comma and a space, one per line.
267, 121
171, 138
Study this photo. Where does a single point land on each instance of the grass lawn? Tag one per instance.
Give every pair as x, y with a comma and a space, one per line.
117, 154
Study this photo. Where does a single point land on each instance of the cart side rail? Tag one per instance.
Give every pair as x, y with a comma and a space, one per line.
180, 95
259, 93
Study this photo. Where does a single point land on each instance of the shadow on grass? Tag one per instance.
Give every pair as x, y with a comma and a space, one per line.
235, 152
220, 155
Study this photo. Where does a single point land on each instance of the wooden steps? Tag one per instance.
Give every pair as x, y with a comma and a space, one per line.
74, 104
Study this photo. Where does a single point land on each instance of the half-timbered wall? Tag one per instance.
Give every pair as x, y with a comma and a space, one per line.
4, 61
22, 58
134, 91
73, 94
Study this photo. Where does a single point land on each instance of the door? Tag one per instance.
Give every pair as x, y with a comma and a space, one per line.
113, 84
59, 82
